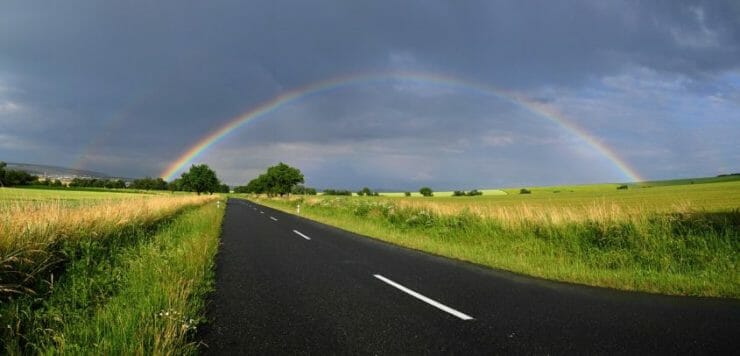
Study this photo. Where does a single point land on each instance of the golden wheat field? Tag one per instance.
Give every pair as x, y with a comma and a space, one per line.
33, 224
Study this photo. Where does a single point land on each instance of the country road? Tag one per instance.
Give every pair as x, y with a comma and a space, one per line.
287, 285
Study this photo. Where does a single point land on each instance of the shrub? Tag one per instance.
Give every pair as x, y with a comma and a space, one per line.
623, 186
408, 194
525, 191
336, 192
426, 191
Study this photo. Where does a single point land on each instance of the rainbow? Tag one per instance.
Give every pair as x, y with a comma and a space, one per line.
266, 108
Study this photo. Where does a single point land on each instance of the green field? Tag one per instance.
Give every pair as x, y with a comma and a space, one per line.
12, 195
486, 192
104, 272
670, 237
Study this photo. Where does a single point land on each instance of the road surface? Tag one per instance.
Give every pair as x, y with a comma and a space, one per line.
287, 285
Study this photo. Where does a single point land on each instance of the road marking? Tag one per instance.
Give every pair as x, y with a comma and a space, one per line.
262, 212
302, 235
430, 301
273, 219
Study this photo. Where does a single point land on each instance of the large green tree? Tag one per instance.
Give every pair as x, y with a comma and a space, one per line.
279, 179
283, 177
201, 179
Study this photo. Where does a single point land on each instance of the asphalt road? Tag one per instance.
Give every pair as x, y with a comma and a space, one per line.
287, 285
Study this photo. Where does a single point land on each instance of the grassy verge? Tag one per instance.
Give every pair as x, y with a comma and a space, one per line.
37, 236
139, 293
681, 252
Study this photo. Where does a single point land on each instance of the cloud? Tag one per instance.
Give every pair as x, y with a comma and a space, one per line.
9, 107
127, 87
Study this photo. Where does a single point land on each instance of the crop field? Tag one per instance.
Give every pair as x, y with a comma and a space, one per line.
71, 259
67, 197
674, 237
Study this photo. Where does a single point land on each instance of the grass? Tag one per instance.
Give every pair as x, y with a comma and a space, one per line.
10, 196
670, 239
90, 274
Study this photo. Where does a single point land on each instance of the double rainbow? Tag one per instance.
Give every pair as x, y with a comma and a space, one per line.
295, 95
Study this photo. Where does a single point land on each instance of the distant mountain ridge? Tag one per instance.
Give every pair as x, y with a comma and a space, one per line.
55, 171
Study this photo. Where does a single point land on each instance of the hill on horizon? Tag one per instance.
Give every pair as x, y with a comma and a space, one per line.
42, 170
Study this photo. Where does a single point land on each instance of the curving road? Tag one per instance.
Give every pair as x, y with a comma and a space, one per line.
287, 285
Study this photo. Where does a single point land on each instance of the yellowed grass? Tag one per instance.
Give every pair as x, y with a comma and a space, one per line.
523, 212
23, 224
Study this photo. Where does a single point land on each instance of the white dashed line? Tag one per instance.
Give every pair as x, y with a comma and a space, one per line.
262, 212
301, 235
273, 219
429, 301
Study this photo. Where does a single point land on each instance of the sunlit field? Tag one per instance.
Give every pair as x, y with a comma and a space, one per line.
66, 196
68, 256
679, 238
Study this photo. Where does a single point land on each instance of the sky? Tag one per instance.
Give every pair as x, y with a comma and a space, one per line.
540, 92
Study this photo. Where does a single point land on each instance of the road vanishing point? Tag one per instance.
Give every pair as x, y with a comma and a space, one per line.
288, 285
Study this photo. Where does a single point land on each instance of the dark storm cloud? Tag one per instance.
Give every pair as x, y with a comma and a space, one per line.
129, 85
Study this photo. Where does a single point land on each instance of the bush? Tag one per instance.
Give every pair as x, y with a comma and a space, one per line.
426, 191
525, 191
302, 190
408, 194
336, 192
462, 193
623, 186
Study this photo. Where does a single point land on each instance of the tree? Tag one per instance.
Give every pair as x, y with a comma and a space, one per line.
224, 188
177, 185
283, 177
149, 183
279, 179
303, 190
10, 177
408, 194
201, 179
2, 173
336, 192
426, 191
525, 191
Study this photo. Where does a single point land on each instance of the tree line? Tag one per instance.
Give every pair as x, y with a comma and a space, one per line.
280, 179
11, 177
199, 179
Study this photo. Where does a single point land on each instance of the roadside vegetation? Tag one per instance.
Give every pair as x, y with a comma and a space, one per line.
681, 239
90, 272
199, 179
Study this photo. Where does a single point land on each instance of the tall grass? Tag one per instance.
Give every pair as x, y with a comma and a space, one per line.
673, 249
138, 294
36, 235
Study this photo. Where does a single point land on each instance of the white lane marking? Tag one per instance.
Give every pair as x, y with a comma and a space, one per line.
262, 212
301, 235
273, 219
430, 301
